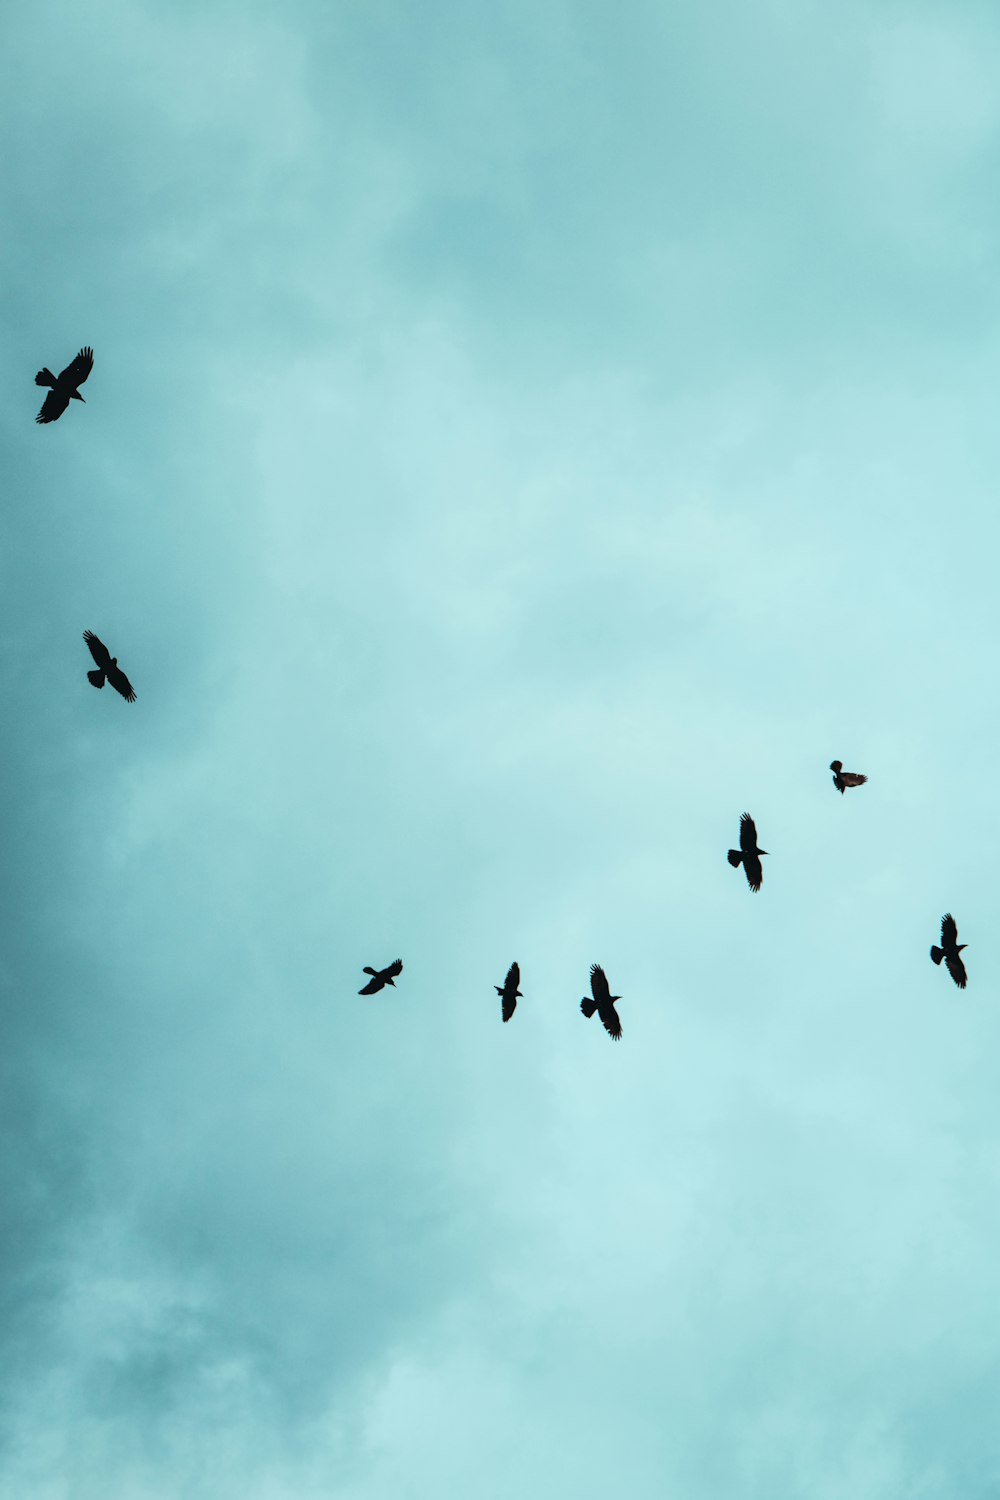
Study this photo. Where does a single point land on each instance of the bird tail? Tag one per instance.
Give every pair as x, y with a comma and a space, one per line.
735, 858
45, 377
96, 677
937, 954
588, 1007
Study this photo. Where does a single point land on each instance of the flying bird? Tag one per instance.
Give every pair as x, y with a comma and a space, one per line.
748, 854
842, 778
509, 992
107, 667
381, 977
64, 386
603, 1002
950, 949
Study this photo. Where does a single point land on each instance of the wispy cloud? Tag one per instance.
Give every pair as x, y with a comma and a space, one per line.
517, 444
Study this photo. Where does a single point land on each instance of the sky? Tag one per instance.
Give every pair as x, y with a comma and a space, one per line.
521, 438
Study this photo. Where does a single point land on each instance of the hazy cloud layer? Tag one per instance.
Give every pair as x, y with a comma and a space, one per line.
516, 445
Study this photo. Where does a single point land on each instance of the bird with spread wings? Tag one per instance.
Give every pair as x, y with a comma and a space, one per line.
107, 667
843, 779
748, 854
64, 386
950, 950
603, 1002
509, 992
381, 977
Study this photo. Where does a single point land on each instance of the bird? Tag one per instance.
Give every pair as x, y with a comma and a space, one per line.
842, 778
603, 1002
509, 992
107, 667
950, 949
64, 386
381, 977
748, 854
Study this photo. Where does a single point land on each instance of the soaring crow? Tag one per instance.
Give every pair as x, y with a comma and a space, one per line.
748, 855
381, 977
603, 1002
64, 386
950, 949
842, 778
107, 667
509, 992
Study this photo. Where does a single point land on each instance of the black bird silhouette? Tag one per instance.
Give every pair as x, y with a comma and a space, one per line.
603, 1002
509, 992
107, 667
842, 778
748, 855
64, 386
950, 949
381, 977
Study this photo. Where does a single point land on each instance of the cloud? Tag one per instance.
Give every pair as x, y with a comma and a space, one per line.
516, 445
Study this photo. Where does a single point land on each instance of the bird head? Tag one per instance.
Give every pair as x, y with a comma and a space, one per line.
836, 765
114, 661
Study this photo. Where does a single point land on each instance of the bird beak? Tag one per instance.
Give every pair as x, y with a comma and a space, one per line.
763, 851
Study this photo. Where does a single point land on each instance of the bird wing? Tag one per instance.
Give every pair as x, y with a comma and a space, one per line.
956, 969
372, 986
78, 369
513, 978
755, 874
394, 969
121, 684
853, 778
610, 1021
53, 406
599, 985
748, 834
98, 650
949, 931
509, 1005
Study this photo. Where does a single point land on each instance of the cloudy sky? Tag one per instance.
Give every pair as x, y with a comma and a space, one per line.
521, 438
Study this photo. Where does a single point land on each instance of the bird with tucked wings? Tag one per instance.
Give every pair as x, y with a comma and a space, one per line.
748, 854
107, 668
950, 950
603, 1002
381, 977
509, 992
843, 779
65, 386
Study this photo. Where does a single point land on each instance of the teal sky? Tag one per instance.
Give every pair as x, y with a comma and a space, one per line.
517, 443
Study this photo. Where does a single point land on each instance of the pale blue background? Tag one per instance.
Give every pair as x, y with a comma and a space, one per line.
518, 442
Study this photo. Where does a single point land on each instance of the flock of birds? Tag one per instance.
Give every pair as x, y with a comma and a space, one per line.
65, 387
